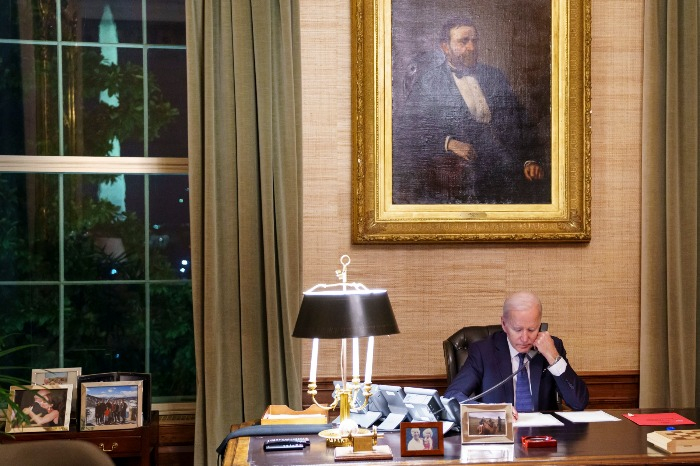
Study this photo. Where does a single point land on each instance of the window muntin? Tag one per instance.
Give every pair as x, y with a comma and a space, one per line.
96, 266
119, 95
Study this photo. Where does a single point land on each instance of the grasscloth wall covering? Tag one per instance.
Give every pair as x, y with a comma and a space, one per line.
590, 291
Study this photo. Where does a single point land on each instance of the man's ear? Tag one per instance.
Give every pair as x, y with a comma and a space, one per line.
445, 48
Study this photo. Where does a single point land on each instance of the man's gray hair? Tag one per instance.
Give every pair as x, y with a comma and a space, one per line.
521, 300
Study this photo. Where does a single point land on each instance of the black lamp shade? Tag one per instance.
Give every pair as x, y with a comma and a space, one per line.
347, 314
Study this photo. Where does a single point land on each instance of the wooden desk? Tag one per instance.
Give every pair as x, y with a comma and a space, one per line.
604, 443
137, 446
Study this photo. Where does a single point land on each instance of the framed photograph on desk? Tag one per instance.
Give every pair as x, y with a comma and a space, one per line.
111, 405
43, 408
422, 439
487, 423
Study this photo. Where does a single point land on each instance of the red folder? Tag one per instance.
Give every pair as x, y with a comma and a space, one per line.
658, 419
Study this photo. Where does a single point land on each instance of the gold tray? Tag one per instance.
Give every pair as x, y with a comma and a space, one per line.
335, 439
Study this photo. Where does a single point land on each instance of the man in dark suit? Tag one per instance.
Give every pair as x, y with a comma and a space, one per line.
493, 359
462, 136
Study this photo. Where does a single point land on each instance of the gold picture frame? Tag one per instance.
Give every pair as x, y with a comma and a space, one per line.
48, 408
384, 207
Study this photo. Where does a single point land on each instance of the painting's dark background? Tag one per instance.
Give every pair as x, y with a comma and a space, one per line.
514, 35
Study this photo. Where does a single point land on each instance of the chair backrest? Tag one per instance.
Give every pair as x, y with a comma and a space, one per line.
53, 453
456, 347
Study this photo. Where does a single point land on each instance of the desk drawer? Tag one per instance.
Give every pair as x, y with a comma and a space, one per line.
118, 445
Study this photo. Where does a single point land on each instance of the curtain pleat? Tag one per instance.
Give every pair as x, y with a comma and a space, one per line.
245, 196
669, 256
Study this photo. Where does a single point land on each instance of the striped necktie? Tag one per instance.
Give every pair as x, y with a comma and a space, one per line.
523, 398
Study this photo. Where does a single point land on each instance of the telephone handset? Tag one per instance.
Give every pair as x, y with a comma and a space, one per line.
543, 328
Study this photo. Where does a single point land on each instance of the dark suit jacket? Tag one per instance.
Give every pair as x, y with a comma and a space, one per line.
489, 362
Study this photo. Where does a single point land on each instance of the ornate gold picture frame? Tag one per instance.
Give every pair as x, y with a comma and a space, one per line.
411, 184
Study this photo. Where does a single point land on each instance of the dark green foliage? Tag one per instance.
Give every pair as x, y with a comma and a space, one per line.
72, 298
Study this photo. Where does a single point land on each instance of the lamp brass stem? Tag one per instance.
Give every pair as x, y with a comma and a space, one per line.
344, 405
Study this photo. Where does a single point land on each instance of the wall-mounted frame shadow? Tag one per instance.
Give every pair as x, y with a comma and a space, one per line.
480, 132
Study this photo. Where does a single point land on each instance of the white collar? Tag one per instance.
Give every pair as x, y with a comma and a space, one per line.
514, 352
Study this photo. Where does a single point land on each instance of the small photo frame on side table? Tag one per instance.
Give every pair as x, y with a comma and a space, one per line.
62, 375
111, 405
422, 439
47, 408
487, 423
120, 377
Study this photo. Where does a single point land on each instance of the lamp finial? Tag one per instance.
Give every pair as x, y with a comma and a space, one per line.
343, 274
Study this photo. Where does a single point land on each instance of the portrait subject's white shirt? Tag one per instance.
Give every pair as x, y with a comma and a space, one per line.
474, 98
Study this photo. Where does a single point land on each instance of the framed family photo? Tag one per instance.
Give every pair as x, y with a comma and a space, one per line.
471, 121
63, 375
144, 377
422, 439
111, 405
43, 408
487, 423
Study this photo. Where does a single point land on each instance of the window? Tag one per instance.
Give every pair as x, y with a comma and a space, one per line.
94, 225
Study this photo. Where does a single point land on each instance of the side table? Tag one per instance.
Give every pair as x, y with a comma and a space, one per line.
137, 446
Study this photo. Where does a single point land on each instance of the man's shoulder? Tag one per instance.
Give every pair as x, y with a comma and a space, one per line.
438, 73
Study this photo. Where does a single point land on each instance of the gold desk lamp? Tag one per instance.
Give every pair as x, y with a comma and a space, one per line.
341, 311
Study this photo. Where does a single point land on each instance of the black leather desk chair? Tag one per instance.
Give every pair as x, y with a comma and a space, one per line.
456, 347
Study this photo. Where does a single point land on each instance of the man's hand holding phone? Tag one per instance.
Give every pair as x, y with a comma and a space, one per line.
545, 345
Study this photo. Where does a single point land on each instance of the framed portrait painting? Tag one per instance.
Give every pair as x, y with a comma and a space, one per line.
111, 405
42, 408
471, 121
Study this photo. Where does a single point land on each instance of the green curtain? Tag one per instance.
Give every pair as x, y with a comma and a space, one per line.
669, 256
243, 67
